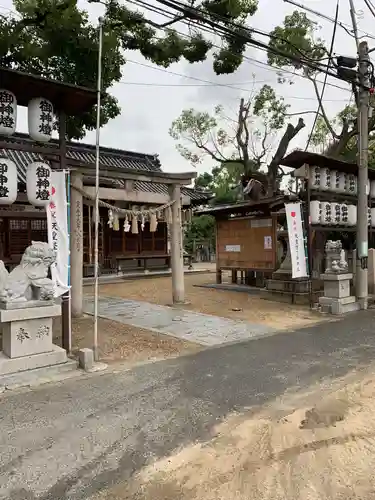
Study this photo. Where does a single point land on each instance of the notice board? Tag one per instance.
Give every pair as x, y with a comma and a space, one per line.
246, 243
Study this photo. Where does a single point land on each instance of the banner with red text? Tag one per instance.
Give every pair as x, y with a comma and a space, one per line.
296, 240
58, 234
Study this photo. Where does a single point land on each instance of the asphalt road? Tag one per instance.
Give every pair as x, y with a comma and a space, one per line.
72, 439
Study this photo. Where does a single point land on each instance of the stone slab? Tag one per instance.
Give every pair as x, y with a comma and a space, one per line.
27, 337
337, 289
336, 277
26, 304
37, 376
7, 315
195, 327
342, 301
15, 365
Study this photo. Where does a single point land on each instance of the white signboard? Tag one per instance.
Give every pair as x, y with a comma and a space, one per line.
296, 241
268, 243
58, 235
233, 248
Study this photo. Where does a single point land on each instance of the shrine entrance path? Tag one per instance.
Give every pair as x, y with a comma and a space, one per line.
204, 329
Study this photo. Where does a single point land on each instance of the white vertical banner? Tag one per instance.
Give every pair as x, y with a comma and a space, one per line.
58, 234
296, 240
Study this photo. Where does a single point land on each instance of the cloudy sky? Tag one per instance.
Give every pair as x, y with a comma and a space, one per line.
151, 97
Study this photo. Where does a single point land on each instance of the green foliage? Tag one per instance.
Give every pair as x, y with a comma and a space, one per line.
55, 39
200, 231
270, 108
296, 37
221, 182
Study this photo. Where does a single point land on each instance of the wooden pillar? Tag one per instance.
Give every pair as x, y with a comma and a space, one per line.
66, 334
177, 258
76, 245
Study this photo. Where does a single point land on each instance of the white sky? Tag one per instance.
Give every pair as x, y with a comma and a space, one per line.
151, 97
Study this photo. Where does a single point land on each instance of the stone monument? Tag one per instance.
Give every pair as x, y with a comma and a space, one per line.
27, 309
337, 278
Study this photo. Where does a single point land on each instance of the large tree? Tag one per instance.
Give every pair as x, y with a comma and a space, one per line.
251, 139
55, 39
298, 36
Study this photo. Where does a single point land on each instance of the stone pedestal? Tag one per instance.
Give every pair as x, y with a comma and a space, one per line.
337, 298
27, 337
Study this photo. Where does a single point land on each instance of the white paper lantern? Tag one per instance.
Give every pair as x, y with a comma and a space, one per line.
336, 213
373, 217
38, 184
344, 214
314, 178
8, 112
327, 219
343, 182
368, 187
352, 215
352, 184
315, 212
40, 118
335, 181
325, 179
8, 181
369, 216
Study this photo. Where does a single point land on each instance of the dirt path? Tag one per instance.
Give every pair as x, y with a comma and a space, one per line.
322, 452
227, 304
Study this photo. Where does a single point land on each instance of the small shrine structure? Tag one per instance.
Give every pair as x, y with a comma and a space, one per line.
149, 200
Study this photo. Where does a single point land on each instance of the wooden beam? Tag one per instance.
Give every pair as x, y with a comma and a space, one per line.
53, 152
158, 177
127, 195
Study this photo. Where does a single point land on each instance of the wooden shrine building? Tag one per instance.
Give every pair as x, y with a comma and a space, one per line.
22, 223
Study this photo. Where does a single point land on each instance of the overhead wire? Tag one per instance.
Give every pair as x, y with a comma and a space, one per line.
333, 38
247, 58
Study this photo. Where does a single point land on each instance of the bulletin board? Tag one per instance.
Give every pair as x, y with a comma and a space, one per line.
247, 243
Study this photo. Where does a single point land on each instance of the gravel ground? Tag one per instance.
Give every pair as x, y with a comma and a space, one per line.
119, 342
227, 304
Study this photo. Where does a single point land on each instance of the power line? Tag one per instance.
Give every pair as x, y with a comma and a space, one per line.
243, 34
325, 77
370, 7
257, 62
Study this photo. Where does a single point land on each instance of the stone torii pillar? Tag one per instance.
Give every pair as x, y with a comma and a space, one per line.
76, 245
177, 256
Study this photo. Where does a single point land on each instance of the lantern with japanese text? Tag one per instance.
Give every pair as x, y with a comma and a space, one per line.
343, 182
38, 184
315, 212
344, 215
314, 177
336, 213
327, 218
8, 112
335, 181
40, 118
369, 216
352, 184
325, 179
8, 181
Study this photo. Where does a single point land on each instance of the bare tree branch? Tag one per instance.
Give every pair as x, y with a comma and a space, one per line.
208, 151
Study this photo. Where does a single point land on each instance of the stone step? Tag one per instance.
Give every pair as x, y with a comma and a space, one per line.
40, 375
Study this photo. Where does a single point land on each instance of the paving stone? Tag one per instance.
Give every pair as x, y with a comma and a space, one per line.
203, 329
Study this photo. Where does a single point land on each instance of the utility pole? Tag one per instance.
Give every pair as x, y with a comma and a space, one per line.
362, 206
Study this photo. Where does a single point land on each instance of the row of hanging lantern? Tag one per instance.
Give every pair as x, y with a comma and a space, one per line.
38, 183
38, 176
40, 116
324, 179
337, 214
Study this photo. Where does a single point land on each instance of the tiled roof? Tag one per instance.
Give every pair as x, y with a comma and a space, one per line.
86, 153
108, 157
